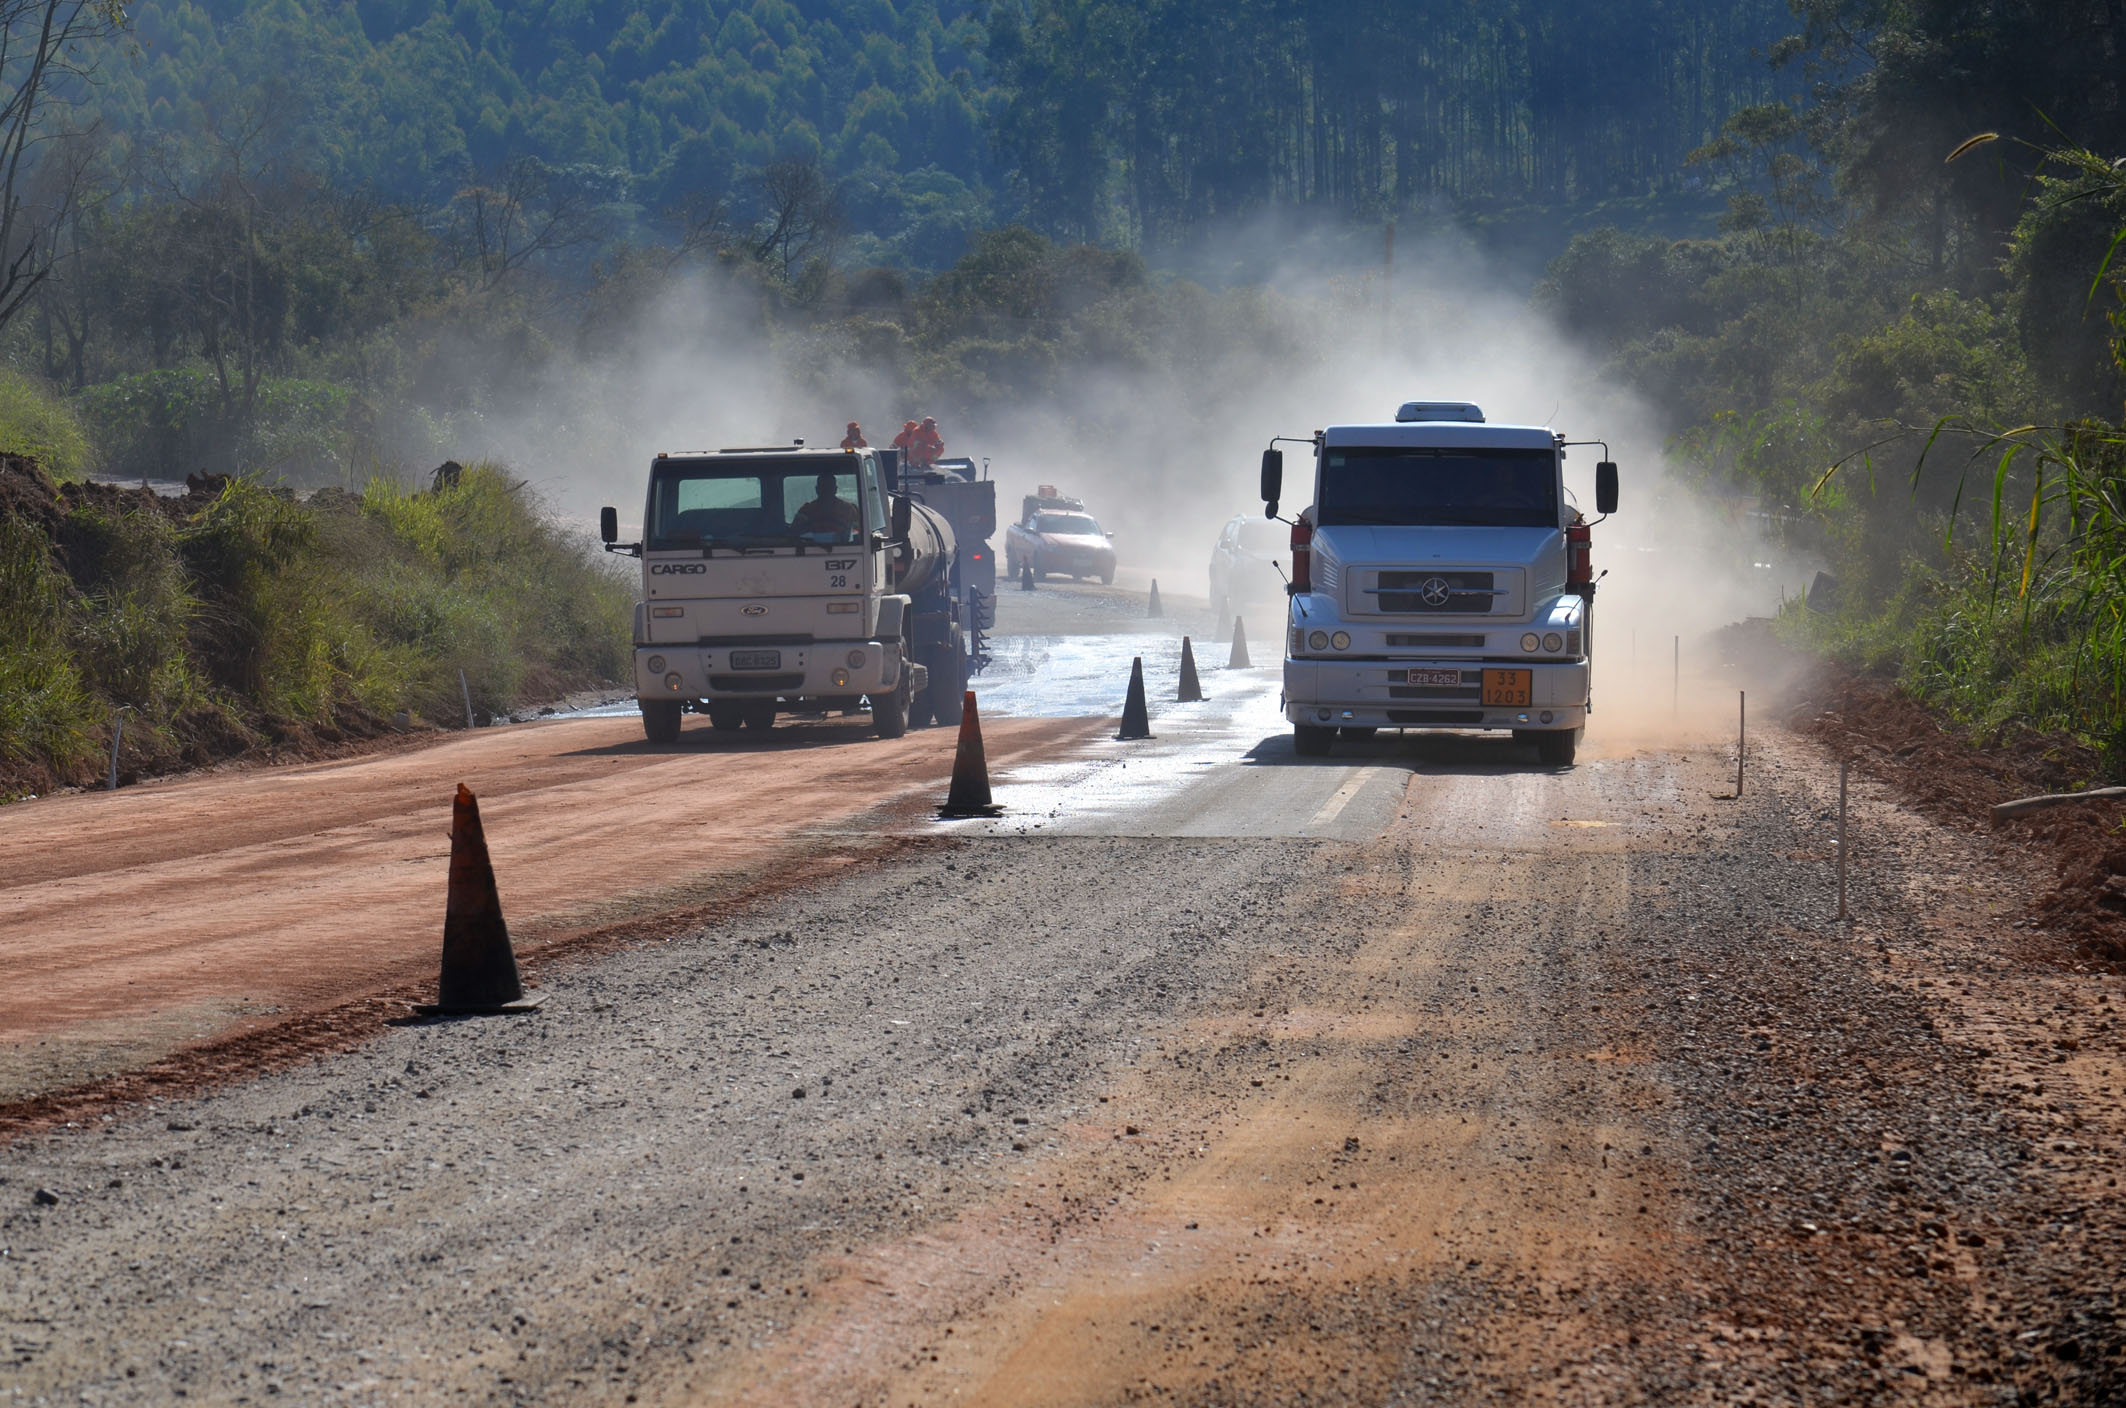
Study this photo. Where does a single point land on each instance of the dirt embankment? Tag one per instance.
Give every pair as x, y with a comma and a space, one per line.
2078, 910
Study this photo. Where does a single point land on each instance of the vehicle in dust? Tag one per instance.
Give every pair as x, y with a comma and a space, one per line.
1246, 565
1441, 579
967, 497
786, 580
1055, 536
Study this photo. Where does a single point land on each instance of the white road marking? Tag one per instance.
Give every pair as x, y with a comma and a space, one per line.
1335, 805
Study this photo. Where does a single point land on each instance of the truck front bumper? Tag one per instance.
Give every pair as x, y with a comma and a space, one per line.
812, 670
1375, 694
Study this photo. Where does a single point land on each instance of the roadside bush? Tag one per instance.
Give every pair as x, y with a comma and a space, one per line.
47, 715
38, 425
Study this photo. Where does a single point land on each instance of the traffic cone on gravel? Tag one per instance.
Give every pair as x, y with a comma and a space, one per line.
1152, 610
1240, 648
479, 967
969, 795
1191, 688
1136, 718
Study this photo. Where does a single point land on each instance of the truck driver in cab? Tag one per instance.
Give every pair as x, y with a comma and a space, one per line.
828, 513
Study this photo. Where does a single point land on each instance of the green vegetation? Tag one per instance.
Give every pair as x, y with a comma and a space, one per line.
40, 426
239, 617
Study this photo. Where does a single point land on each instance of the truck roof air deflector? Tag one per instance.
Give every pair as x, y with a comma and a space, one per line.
1411, 411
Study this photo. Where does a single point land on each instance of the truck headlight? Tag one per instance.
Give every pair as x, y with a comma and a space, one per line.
1553, 642
842, 608
1529, 643
856, 659
671, 681
656, 664
1341, 640
1318, 641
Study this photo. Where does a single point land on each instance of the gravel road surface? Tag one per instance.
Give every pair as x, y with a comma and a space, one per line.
1204, 1075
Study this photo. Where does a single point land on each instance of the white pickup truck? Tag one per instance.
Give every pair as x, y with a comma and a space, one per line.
1441, 580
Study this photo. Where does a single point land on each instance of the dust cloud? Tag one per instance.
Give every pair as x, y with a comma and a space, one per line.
1165, 454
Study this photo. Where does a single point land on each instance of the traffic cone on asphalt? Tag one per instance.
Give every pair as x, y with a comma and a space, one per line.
1240, 648
1152, 611
479, 967
1191, 689
1136, 718
1026, 575
969, 795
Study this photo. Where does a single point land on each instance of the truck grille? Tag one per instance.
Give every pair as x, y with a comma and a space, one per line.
1451, 639
756, 684
1452, 593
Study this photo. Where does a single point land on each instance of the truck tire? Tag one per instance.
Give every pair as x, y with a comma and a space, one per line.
889, 712
759, 715
946, 699
660, 720
1107, 578
1558, 747
1311, 742
726, 718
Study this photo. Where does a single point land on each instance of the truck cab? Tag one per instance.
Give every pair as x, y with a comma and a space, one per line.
1440, 581
785, 580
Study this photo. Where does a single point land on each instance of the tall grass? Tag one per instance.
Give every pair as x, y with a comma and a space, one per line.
37, 425
257, 616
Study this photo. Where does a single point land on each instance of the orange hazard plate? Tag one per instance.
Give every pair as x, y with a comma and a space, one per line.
1511, 689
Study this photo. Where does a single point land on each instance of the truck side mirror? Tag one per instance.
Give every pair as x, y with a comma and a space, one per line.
903, 517
608, 525
1272, 478
1606, 487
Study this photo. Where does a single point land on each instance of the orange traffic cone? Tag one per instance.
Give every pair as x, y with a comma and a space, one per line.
969, 795
1240, 648
479, 967
1152, 608
1191, 688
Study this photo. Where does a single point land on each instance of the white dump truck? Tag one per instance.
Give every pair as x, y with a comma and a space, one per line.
1441, 579
787, 580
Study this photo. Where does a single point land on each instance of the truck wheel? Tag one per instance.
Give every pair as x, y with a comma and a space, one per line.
1311, 742
946, 699
889, 712
1558, 747
1107, 578
660, 720
726, 718
760, 715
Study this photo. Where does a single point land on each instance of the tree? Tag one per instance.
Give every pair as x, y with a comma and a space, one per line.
46, 46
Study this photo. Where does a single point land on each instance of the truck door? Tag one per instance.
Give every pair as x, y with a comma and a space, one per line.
875, 520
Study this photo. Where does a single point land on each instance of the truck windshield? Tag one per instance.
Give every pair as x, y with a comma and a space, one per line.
1458, 486
740, 504
1067, 523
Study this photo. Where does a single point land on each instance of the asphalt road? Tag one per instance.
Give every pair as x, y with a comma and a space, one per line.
1205, 1074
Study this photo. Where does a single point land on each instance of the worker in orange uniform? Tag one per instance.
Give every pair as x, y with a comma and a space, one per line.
855, 440
905, 441
928, 443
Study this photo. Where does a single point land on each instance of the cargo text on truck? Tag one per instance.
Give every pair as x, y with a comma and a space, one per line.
1441, 580
783, 579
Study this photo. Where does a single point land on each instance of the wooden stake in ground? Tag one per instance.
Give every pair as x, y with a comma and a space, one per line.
1845, 772
1742, 735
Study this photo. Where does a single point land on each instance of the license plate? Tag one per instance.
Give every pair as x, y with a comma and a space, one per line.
762, 660
1435, 677
1512, 689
